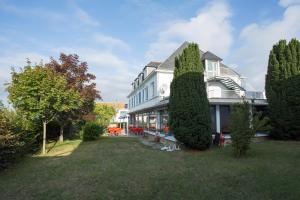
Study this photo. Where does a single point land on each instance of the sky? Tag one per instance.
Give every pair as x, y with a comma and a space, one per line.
118, 37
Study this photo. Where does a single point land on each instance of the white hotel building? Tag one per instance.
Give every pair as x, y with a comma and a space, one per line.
148, 100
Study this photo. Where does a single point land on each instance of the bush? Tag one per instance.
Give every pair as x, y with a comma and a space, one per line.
15, 141
240, 129
91, 131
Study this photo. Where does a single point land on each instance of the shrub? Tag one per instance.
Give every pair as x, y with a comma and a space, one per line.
240, 129
91, 131
15, 141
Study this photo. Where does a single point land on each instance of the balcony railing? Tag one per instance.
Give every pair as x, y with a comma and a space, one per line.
223, 94
255, 95
235, 94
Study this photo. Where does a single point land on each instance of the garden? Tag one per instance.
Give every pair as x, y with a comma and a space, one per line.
123, 168
50, 144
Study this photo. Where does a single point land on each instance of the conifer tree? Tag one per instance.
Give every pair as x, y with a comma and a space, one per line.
284, 63
188, 105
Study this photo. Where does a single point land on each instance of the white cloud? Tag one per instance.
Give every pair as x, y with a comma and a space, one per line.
211, 28
286, 3
113, 73
110, 42
256, 41
84, 17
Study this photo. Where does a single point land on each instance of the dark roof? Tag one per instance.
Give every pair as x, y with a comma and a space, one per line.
210, 56
169, 63
153, 64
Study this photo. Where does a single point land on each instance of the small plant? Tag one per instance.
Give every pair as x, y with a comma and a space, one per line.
91, 131
240, 130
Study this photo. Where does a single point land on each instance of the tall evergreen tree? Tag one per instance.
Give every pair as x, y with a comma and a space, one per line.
188, 105
284, 62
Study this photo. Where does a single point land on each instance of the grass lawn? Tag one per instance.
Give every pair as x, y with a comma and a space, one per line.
122, 168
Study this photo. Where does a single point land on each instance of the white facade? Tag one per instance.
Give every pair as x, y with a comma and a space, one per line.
150, 93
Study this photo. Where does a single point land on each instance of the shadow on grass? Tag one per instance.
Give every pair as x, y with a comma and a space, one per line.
123, 168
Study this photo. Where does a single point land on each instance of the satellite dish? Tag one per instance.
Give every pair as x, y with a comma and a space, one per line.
163, 89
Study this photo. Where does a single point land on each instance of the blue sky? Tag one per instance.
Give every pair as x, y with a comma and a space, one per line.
117, 38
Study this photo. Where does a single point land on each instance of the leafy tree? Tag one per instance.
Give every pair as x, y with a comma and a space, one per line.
104, 113
41, 95
75, 72
188, 105
240, 129
284, 62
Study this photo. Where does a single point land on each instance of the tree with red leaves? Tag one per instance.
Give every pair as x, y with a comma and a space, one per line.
77, 77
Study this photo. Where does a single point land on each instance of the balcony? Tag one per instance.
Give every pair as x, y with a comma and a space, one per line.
255, 95
218, 93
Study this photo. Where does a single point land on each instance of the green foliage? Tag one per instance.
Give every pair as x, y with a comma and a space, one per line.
104, 113
261, 123
40, 94
15, 141
291, 92
77, 77
91, 131
284, 62
188, 104
240, 129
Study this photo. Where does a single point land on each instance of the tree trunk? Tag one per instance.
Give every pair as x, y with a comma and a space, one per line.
44, 137
61, 133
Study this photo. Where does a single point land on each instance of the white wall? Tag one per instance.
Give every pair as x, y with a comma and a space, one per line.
218, 90
147, 83
164, 82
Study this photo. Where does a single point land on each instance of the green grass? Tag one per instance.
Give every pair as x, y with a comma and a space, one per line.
122, 168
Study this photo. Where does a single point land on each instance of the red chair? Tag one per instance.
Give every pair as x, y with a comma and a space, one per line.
166, 130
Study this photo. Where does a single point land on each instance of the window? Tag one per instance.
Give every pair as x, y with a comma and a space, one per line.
146, 121
140, 97
152, 121
143, 95
164, 118
211, 66
146, 93
213, 118
152, 89
224, 118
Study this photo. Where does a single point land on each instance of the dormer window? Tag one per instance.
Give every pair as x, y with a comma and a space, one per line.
212, 68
